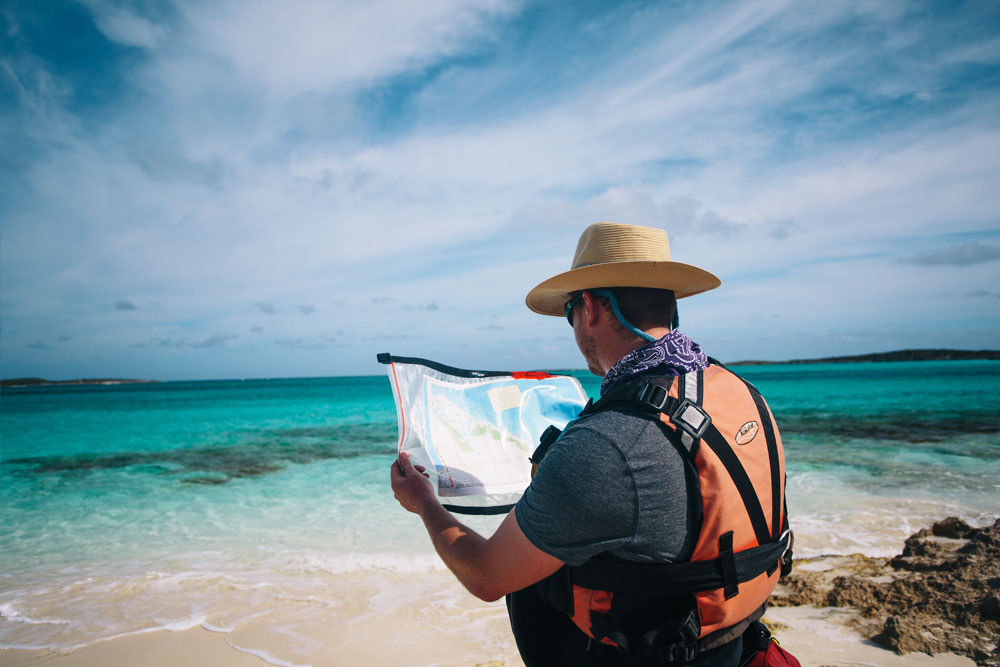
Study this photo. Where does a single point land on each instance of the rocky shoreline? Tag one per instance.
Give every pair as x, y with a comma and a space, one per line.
941, 594
895, 355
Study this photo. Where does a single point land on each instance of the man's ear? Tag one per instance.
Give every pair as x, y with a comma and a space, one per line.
592, 311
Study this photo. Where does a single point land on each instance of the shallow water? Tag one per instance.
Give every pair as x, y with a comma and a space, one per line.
164, 505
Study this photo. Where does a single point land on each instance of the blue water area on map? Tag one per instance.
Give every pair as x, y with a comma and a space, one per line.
539, 403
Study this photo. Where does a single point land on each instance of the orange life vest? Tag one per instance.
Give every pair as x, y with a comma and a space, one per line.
725, 429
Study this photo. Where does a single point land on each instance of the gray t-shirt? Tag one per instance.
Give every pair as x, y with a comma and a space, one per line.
612, 482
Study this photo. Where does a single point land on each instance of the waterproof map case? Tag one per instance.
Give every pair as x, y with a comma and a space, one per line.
474, 430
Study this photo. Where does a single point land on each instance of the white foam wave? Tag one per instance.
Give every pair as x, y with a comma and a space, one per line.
10, 612
872, 533
348, 563
265, 656
183, 624
171, 626
218, 628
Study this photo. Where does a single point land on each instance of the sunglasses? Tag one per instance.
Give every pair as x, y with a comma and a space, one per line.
568, 308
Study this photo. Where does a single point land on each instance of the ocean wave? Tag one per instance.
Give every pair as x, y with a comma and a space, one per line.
10, 611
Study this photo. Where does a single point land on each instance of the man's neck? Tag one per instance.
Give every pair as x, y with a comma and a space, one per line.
623, 344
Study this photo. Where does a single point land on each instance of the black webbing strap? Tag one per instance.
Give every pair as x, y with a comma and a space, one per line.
649, 396
727, 456
628, 391
607, 573
787, 557
772, 455
727, 559
633, 406
386, 358
557, 590
601, 627
481, 511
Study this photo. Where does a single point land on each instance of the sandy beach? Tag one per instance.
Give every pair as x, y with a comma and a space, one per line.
372, 618
427, 619
817, 636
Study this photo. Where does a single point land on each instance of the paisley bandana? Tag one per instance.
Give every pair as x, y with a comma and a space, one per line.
671, 355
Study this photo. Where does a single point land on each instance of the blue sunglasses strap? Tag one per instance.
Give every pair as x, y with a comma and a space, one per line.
621, 318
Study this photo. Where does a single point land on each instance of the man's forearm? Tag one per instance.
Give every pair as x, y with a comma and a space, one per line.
505, 562
460, 548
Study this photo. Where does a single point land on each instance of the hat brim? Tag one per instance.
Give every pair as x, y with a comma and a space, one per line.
549, 297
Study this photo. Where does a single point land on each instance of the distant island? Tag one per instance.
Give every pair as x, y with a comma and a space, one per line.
896, 355
40, 382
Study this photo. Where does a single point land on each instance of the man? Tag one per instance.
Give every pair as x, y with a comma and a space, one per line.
652, 530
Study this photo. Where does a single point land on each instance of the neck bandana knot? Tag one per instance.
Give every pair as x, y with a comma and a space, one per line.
671, 355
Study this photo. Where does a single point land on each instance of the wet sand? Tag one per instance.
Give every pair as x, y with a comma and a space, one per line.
816, 636
827, 614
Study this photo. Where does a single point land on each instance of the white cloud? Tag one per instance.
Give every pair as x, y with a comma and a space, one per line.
123, 26
249, 171
287, 48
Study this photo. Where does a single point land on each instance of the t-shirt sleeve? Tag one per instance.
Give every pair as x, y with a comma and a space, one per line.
582, 499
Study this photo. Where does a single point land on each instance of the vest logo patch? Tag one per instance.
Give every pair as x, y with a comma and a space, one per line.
747, 433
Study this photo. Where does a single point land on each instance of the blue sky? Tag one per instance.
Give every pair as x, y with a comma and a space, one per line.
193, 190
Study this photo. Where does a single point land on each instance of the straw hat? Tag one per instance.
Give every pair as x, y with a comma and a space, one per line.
614, 255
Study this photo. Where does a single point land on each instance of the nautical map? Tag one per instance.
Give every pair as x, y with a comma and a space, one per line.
477, 437
474, 431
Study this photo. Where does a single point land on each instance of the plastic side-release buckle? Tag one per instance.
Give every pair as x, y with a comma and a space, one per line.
653, 395
682, 653
690, 418
786, 555
684, 645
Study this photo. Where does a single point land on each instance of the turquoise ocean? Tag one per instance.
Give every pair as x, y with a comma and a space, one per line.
128, 508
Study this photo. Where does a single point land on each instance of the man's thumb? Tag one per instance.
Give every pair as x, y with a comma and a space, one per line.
405, 465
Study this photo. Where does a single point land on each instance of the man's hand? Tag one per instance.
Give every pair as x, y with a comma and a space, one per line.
411, 485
